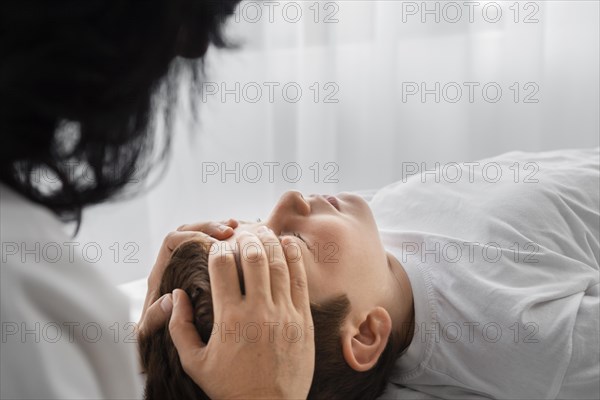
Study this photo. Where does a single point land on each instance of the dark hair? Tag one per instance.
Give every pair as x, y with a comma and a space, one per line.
77, 80
333, 377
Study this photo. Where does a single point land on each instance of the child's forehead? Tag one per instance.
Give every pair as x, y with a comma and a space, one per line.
243, 226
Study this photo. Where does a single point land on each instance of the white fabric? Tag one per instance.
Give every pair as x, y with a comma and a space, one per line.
65, 331
485, 294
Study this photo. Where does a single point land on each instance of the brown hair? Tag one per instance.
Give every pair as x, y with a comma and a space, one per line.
333, 378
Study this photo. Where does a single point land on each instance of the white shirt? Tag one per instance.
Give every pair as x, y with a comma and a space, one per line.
505, 276
65, 329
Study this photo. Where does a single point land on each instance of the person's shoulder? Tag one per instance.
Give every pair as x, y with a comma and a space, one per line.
550, 160
38, 252
22, 219
70, 316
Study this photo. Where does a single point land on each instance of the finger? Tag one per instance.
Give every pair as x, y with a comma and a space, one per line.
157, 315
170, 243
255, 266
184, 334
232, 222
175, 239
298, 279
218, 230
278, 269
224, 278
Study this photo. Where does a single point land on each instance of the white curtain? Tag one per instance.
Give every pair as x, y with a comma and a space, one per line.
382, 84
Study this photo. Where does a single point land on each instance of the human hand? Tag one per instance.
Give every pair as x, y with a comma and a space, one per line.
263, 343
156, 312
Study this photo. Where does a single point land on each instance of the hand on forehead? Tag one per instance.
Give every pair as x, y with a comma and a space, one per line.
233, 240
243, 226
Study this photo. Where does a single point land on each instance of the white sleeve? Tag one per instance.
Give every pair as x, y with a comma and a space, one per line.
65, 329
64, 340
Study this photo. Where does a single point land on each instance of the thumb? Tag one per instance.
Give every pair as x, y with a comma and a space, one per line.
157, 314
184, 334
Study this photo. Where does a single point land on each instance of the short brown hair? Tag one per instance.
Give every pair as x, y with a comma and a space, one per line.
333, 377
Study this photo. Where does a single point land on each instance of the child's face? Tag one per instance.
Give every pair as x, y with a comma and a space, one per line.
339, 241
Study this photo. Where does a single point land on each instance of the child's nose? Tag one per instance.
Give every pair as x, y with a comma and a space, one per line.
294, 202
291, 204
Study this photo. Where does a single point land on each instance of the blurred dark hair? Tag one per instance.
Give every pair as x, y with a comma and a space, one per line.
333, 377
77, 79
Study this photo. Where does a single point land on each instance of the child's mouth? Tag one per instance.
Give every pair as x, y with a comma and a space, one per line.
333, 201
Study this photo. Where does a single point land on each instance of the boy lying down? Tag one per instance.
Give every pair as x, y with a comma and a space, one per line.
485, 285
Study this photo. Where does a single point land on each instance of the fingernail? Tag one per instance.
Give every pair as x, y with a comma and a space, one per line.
181, 227
175, 295
263, 229
167, 304
223, 228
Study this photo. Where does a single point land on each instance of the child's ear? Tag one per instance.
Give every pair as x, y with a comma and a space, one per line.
363, 341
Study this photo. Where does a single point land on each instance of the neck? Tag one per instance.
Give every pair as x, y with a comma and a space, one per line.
401, 308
